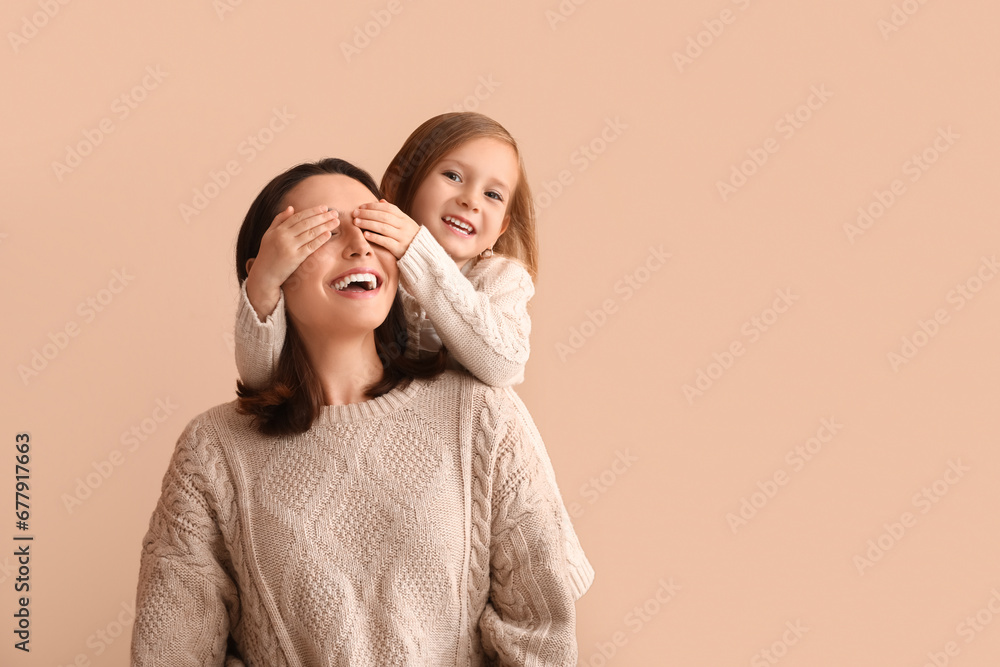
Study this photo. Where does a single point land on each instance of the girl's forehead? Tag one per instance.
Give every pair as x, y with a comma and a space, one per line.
479, 146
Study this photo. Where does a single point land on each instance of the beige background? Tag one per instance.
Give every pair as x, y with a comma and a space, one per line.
663, 133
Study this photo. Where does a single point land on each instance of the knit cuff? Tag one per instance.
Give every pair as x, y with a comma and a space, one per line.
423, 252
580, 576
248, 321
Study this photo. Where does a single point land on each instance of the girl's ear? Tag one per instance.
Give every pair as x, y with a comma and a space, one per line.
503, 228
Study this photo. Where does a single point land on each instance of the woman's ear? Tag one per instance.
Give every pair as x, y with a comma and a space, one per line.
250, 263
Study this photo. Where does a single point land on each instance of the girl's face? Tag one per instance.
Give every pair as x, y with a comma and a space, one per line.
463, 199
317, 298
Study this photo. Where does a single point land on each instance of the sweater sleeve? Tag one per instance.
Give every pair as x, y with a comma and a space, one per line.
578, 567
483, 319
258, 344
530, 617
185, 596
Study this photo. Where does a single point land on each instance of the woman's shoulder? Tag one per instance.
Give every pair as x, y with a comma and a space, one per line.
461, 379
207, 433
478, 401
223, 413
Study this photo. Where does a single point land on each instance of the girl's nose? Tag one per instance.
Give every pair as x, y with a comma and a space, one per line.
470, 198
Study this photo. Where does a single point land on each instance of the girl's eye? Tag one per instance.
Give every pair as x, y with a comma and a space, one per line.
449, 174
494, 195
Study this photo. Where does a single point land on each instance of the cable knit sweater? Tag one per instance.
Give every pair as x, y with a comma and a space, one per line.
422, 527
479, 313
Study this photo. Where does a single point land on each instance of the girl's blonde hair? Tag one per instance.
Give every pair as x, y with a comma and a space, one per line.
435, 138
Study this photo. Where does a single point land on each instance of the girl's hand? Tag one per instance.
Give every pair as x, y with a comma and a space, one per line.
387, 226
290, 239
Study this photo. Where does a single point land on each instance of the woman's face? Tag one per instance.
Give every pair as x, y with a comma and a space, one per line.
317, 297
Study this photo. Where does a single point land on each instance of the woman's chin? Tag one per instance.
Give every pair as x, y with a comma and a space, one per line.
360, 320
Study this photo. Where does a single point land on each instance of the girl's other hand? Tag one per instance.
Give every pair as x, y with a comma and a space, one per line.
387, 226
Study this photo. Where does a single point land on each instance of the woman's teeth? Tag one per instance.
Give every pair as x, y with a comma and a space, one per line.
465, 227
368, 281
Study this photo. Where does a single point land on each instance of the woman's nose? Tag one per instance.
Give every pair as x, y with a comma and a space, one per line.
355, 242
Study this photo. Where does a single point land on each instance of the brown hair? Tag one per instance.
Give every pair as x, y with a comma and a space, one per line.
441, 134
294, 397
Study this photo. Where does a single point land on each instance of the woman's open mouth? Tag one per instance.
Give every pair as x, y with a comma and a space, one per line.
361, 285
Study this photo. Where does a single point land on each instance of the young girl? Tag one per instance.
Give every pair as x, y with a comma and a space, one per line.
462, 228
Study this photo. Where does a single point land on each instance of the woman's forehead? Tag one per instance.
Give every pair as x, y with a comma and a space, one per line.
335, 190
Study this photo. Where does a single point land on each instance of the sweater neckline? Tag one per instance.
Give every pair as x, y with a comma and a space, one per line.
373, 408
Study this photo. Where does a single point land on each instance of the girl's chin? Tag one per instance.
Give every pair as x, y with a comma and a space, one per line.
460, 252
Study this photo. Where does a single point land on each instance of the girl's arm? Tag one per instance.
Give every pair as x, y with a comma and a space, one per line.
258, 343
483, 319
260, 316
185, 595
530, 615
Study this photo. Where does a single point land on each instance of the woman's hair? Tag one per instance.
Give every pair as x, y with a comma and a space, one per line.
441, 134
294, 397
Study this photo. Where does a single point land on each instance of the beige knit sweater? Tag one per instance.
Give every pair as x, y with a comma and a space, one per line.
422, 527
479, 313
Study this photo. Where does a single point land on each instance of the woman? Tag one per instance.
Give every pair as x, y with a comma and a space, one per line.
365, 509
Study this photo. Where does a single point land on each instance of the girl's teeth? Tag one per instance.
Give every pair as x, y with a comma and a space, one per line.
458, 223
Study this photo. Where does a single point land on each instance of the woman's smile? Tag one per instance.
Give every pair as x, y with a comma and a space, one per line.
359, 283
